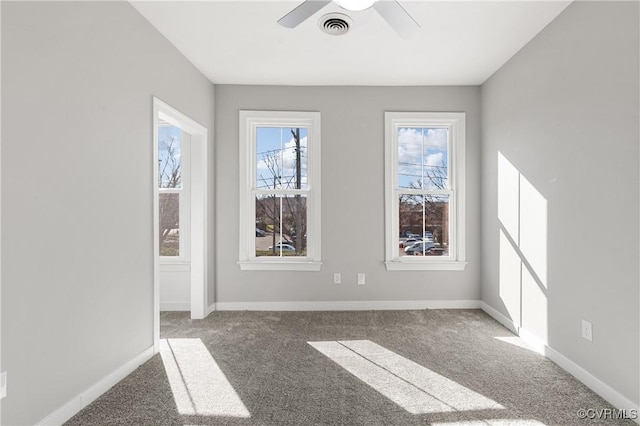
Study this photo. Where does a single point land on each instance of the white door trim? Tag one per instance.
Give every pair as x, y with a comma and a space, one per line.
198, 240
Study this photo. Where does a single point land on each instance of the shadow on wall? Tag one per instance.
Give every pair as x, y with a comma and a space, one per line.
522, 215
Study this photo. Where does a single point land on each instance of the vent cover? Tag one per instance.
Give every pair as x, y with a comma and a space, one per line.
335, 23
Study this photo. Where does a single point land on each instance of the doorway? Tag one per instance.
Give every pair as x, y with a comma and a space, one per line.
180, 200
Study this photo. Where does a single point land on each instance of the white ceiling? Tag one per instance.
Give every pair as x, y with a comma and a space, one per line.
239, 42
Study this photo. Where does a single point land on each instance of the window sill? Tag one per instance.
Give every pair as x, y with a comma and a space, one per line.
247, 265
425, 266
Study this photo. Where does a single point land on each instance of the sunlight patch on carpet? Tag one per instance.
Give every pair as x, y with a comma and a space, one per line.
516, 341
492, 422
198, 384
412, 386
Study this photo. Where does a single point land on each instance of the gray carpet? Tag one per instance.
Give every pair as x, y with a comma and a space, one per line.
427, 367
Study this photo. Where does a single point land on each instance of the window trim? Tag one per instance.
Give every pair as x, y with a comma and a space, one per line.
455, 122
249, 122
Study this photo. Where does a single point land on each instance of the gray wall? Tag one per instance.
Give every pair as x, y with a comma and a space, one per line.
352, 195
77, 86
564, 112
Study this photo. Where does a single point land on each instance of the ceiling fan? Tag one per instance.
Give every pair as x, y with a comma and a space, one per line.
390, 10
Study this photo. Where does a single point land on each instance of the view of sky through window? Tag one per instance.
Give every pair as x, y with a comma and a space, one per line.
281, 165
169, 148
423, 160
276, 158
170, 184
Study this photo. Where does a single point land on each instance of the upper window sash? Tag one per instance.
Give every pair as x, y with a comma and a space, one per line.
250, 122
454, 123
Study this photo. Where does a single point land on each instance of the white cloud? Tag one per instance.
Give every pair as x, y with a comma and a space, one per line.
436, 138
285, 163
411, 148
436, 159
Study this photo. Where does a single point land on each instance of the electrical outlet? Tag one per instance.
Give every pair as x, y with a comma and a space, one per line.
587, 331
360, 278
3, 384
337, 278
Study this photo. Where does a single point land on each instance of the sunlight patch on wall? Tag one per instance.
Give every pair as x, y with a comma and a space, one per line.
510, 272
534, 306
198, 384
412, 386
523, 236
509, 217
533, 229
508, 197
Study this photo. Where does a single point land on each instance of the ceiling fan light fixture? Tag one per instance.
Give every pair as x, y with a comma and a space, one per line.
355, 5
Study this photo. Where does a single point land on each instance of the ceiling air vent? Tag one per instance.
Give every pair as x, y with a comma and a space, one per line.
335, 23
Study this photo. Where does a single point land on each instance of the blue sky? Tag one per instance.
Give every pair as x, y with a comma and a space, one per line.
165, 134
276, 145
422, 153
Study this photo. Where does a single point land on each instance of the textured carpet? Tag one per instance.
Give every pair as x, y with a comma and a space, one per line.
427, 367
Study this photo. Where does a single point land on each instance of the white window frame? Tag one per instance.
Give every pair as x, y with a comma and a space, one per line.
455, 123
250, 121
200, 169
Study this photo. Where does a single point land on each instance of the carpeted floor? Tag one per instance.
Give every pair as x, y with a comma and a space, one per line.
427, 367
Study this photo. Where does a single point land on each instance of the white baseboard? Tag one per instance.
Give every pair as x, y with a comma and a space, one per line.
175, 306
347, 306
598, 386
73, 407
502, 319
211, 308
612, 396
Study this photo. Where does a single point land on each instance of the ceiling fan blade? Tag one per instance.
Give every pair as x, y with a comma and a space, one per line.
397, 18
301, 13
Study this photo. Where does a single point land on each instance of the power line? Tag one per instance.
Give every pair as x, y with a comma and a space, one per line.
401, 163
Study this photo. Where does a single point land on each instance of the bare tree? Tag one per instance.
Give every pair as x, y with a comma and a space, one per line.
416, 210
169, 176
271, 208
287, 215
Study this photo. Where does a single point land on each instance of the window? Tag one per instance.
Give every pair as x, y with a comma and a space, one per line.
424, 191
173, 192
279, 190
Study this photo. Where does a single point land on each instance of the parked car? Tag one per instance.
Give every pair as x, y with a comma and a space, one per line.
260, 232
409, 242
426, 248
283, 247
